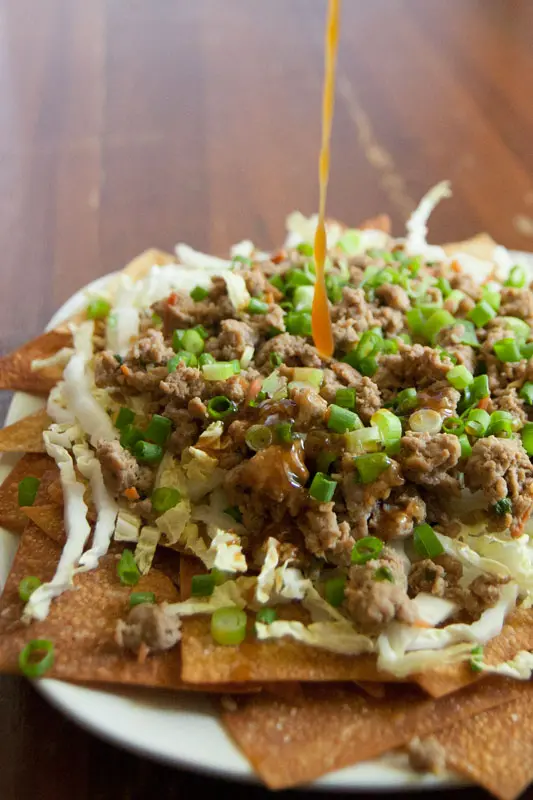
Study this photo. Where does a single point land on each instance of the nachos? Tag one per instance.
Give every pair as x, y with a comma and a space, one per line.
244, 512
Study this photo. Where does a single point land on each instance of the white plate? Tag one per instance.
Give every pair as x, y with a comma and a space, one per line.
179, 728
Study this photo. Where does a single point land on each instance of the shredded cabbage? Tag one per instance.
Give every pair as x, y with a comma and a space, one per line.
201, 261
415, 242
225, 553
212, 435
59, 359
174, 521
237, 292
267, 576
146, 547
520, 667
127, 526
230, 593
77, 531
433, 610
337, 637
56, 406
202, 472
247, 355
106, 507
170, 474
123, 323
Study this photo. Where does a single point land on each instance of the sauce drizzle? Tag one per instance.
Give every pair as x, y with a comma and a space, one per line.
321, 320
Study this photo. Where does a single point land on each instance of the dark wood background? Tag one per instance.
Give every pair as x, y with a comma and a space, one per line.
129, 123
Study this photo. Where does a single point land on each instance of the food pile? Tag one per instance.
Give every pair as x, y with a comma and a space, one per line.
208, 503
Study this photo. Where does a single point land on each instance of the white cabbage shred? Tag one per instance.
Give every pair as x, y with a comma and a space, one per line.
415, 242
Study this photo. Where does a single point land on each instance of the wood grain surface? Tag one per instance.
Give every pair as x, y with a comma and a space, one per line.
129, 123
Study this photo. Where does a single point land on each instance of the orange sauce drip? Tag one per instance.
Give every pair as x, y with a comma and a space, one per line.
321, 320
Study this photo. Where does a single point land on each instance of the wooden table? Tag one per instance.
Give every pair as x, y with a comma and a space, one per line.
129, 123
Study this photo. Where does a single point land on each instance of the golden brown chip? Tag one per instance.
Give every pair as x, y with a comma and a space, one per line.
26, 435
480, 246
11, 515
284, 660
50, 490
495, 748
50, 519
517, 634
331, 727
140, 266
15, 368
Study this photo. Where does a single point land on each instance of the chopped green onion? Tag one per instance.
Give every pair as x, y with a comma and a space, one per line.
148, 453
193, 342
476, 658
206, 358
275, 360
389, 426
124, 417
491, 295
299, 277
157, 321
526, 392
383, 574
438, 320
284, 432
305, 249
256, 306
454, 300
366, 549
459, 377
363, 439
520, 328
501, 424
127, 569
266, 615
278, 283
367, 366
187, 359
350, 241
129, 437
98, 308
27, 490
426, 542
481, 314
324, 461
477, 422
220, 577
517, 277
345, 397
228, 625
370, 466
202, 585
404, 337
341, 420
390, 346
220, 371
258, 437
118, 358
334, 286
303, 298
415, 321
527, 438
177, 340
466, 447
27, 586
298, 323
453, 425
137, 598
526, 350
479, 388
158, 429
310, 375
425, 420
468, 336
199, 293
444, 285
220, 406
507, 350
334, 591
164, 498
36, 658
204, 333
406, 400
322, 488
234, 512
503, 507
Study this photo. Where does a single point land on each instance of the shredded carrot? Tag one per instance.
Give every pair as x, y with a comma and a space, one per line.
125, 370
518, 529
131, 493
421, 623
254, 389
456, 266
172, 298
483, 403
281, 255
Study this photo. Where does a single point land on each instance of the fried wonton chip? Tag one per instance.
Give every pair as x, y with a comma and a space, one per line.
50, 490
141, 265
495, 748
284, 660
480, 246
26, 435
294, 742
15, 368
49, 519
517, 634
11, 515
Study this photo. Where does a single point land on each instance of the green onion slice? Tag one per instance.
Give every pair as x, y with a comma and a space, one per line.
27, 586
322, 488
221, 406
370, 466
147, 453
127, 569
164, 498
341, 420
426, 542
124, 417
507, 350
366, 549
136, 598
459, 377
228, 626
199, 293
258, 437
202, 585
98, 308
345, 397
27, 490
266, 615
219, 371
36, 658
527, 438
334, 591
158, 429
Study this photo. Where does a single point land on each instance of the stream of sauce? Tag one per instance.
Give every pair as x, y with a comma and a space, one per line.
321, 320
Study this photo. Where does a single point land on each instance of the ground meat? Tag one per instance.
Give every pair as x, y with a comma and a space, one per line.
235, 388
396, 517
345, 334
293, 350
186, 431
354, 306
465, 283
441, 397
310, 408
516, 303
256, 281
263, 323
426, 459
361, 499
367, 397
234, 337
501, 468
151, 349
416, 366
427, 755
323, 535
145, 480
426, 576
184, 384
373, 599
196, 408
148, 625
179, 311
120, 468
390, 320
450, 340
106, 369
484, 592
508, 400
393, 296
